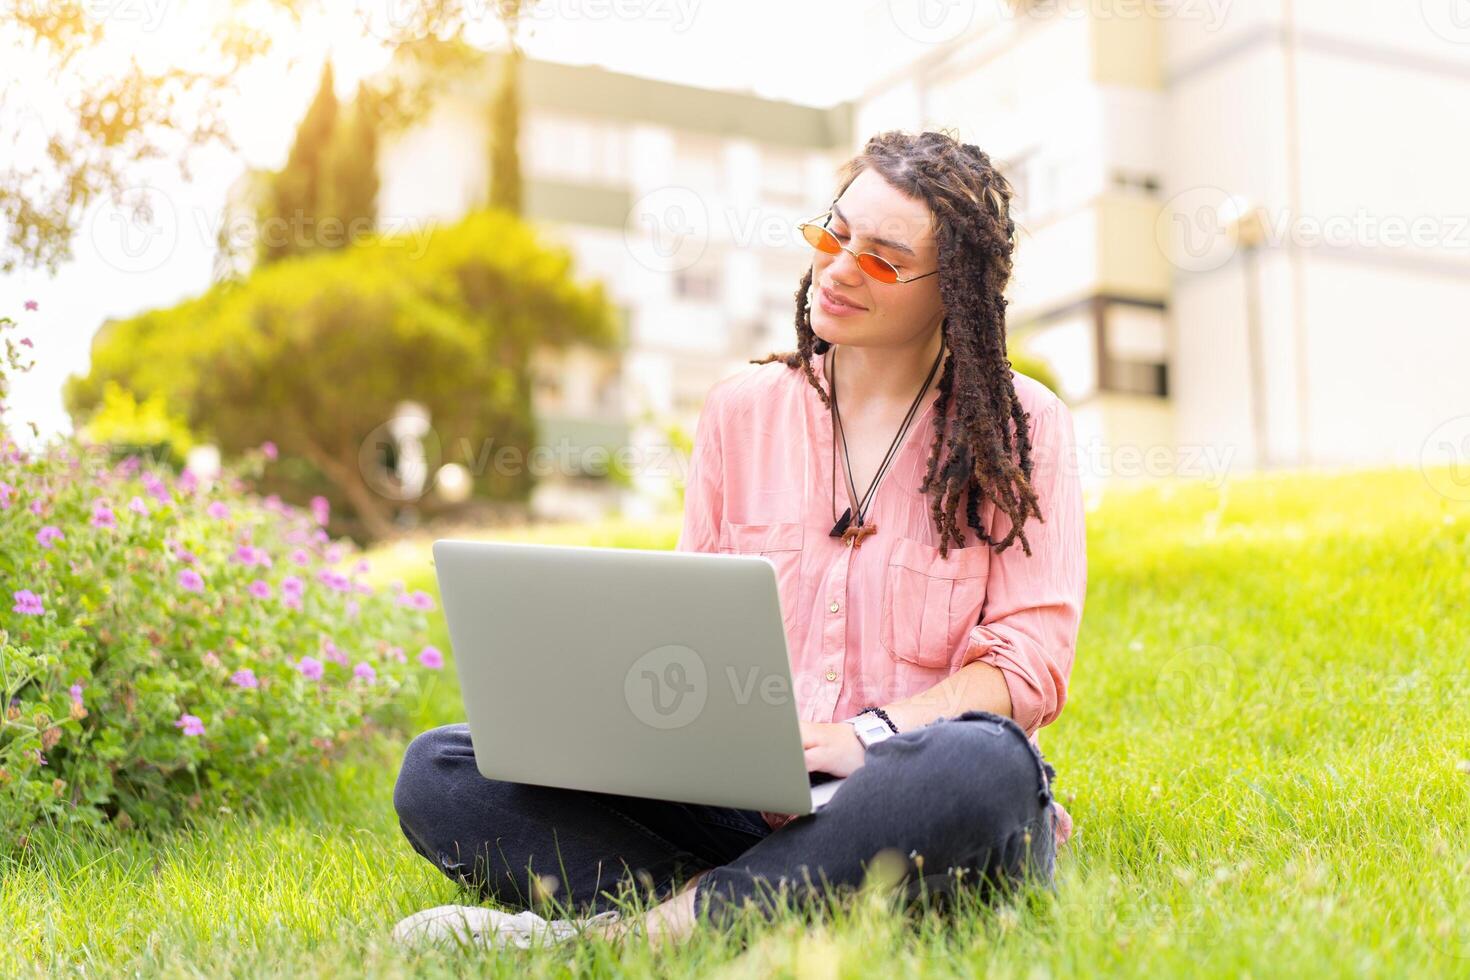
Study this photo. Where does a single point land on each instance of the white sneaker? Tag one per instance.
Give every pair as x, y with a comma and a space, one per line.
477, 924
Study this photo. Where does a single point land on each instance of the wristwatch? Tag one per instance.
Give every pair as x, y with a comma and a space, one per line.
870, 728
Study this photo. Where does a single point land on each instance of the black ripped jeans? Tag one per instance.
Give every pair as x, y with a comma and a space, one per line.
961, 800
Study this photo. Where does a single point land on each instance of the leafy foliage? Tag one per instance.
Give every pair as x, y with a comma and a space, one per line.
164, 642
322, 350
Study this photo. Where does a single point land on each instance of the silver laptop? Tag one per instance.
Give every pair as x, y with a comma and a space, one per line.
660, 674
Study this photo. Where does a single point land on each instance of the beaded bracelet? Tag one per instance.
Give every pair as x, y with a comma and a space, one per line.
883, 715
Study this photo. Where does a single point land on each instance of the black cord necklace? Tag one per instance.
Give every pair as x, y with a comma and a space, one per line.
845, 526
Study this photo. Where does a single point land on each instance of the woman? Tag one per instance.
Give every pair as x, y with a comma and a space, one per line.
955, 630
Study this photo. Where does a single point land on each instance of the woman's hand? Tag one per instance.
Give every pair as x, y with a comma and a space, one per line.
832, 747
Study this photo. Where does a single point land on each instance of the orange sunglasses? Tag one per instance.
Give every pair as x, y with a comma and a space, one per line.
820, 237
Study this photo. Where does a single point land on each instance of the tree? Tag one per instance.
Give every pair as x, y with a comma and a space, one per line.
290, 216
97, 118
315, 353
106, 113
505, 120
350, 191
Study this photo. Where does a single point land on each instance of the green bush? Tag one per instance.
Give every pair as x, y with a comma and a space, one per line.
324, 348
168, 644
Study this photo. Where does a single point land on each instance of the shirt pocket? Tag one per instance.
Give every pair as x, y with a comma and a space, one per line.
930, 603
779, 542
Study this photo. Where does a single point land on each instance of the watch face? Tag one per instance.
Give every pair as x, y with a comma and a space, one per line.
870, 729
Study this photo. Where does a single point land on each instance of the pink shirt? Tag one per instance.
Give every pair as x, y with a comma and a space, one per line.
887, 620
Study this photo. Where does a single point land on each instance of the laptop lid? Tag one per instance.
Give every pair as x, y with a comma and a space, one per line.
661, 674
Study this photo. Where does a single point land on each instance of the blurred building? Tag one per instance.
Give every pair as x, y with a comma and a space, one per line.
682, 200
1224, 255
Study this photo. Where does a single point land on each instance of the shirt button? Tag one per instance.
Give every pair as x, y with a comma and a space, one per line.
834, 606
831, 675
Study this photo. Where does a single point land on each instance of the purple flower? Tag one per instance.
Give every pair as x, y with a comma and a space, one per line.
5, 491
138, 505
248, 554
190, 724
431, 658
365, 672
211, 660
156, 488
310, 667
218, 510
27, 603
333, 652
272, 503
300, 557
191, 581
321, 510
350, 608
31, 304
291, 600
244, 677
397, 654
188, 481
102, 515
37, 506
47, 535
333, 579
76, 692
269, 449
260, 588
417, 599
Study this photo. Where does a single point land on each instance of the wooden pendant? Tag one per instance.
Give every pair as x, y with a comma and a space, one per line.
854, 535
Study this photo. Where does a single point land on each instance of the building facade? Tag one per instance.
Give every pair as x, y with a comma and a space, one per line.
1243, 234
683, 201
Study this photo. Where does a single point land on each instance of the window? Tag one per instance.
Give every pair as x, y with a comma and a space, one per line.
698, 284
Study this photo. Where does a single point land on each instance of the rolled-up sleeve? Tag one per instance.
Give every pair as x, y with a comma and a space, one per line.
704, 482
1033, 604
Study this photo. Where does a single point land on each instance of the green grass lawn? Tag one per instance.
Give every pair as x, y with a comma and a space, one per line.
1263, 749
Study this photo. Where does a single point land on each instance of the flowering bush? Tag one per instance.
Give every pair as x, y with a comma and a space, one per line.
167, 641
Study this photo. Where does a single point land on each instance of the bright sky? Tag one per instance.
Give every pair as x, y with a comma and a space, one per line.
818, 52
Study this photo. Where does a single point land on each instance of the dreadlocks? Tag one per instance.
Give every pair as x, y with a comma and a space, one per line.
989, 447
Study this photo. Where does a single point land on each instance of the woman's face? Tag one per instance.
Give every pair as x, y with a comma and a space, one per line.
871, 216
